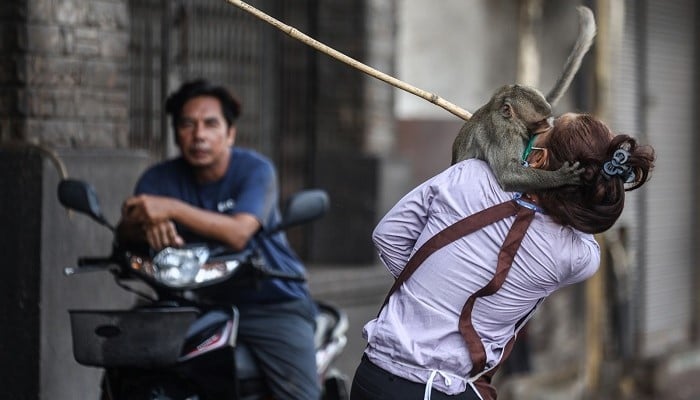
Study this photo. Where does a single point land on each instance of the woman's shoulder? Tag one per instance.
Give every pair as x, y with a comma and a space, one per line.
476, 175
474, 165
466, 187
471, 170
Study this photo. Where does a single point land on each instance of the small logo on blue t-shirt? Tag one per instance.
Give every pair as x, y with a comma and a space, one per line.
226, 205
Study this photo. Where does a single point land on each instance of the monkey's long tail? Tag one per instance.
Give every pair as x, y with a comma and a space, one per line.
294, 33
587, 31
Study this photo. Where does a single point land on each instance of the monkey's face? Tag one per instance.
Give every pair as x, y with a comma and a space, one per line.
523, 108
541, 126
533, 109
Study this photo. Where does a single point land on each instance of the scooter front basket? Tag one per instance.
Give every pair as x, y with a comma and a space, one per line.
143, 338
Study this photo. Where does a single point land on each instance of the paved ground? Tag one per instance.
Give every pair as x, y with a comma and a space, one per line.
358, 290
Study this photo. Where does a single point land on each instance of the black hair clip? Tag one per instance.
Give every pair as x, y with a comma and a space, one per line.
617, 165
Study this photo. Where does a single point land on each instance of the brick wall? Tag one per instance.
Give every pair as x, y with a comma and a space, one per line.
66, 81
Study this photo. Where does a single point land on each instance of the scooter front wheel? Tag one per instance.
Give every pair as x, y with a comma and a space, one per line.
147, 389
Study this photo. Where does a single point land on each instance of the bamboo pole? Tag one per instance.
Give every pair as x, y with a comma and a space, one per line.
296, 34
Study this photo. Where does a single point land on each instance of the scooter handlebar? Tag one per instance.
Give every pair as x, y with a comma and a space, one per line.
89, 264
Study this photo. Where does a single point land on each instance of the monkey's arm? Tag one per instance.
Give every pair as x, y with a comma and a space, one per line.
505, 160
518, 178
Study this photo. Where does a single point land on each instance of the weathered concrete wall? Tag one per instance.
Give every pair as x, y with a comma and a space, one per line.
37, 240
464, 50
65, 237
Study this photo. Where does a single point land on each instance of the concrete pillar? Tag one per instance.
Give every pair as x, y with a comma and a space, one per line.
38, 239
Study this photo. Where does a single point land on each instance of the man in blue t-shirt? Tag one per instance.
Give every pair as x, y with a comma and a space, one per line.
224, 195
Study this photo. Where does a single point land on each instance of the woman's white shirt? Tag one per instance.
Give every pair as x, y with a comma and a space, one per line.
416, 334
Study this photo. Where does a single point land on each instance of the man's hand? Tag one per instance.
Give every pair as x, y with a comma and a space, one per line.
149, 218
148, 209
163, 234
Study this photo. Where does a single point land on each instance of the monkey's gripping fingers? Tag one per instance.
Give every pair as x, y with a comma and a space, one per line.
571, 173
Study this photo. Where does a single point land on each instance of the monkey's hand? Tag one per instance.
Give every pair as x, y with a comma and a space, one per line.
569, 174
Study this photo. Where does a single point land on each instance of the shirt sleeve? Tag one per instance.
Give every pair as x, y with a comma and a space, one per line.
148, 183
159, 179
585, 259
258, 193
396, 233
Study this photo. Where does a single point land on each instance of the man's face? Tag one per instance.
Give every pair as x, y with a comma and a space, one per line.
203, 135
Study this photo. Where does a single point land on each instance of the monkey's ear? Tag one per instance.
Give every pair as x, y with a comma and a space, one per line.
506, 110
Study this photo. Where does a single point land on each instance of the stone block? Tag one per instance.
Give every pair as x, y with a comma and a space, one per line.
99, 74
41, 11
114, 45
108, 14
44, 39
43, 70
70, 12
66, 103
59, 133
40, 103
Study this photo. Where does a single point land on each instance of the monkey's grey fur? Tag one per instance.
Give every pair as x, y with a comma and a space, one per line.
499, 131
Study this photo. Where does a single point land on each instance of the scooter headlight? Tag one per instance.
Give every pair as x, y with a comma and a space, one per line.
182, 268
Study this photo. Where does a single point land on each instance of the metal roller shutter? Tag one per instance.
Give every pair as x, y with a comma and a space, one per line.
667, 241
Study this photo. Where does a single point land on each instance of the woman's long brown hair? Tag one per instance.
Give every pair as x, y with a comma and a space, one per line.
596, 204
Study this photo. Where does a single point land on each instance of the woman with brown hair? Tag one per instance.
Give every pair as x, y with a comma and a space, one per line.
472, 262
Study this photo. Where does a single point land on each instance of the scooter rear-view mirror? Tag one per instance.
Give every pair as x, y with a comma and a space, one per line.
302, 207
82, 197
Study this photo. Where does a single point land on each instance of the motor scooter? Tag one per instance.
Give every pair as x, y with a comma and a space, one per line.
180, 341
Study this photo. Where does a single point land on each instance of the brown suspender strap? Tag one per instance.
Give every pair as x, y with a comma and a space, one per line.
483, 384
506, 255
505, 259
448, 235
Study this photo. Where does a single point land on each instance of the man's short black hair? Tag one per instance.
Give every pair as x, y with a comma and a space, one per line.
230, 106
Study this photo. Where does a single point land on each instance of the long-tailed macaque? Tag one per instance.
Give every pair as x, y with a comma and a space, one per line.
499, 131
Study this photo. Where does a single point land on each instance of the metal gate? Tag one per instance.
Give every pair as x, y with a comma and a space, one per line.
654, 99
175, 41
172, 42
670, 125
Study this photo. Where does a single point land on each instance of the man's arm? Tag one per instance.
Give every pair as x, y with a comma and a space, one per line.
157, 235
149, 218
